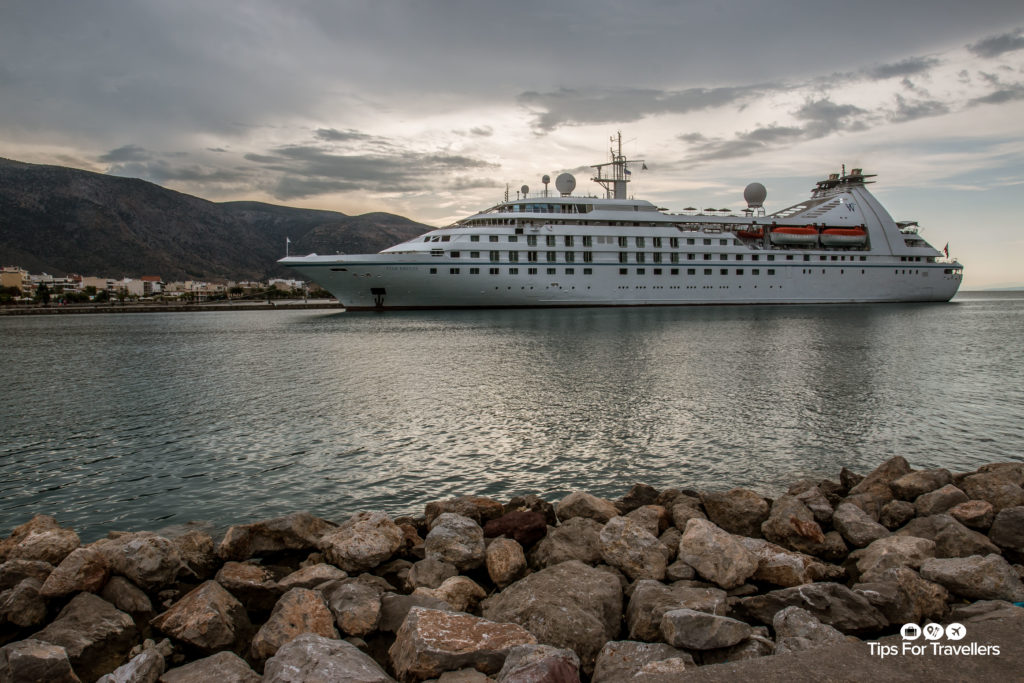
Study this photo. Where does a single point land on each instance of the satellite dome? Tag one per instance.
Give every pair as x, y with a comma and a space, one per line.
565, 183
755, 194
546, 179
525, 190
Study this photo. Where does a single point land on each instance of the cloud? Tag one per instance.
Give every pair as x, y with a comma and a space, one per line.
909, 111
333, 135
160, 172
566, 107
125, 153
824, 116
997, 45
1006, 94
906, 67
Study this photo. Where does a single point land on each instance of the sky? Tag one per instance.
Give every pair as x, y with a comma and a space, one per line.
431, 109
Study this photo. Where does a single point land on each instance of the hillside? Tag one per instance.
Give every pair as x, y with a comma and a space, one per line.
62, 220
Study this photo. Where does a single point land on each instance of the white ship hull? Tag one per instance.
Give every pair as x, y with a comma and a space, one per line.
582, 251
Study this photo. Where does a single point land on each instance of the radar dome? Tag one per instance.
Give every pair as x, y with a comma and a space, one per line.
565, 183
755, 194
546, 179
525, 189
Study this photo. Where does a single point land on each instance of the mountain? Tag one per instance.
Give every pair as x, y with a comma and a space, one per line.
62, 220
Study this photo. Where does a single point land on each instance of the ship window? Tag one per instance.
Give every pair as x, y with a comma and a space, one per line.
455, 254
437, 252
570, 256
789, 257
588, 241
494, 271
446, 238
474, 254
513, 238
807, 257
723, 257
771, 257
588, 271
707, 257
657, 257
453, 271
823, 258
657, 271
427, 238
724, 271
513, 271
723, 242
690, 240
755, 271
675, 258
675, 271
707, 241
691, 256
707, 271
588, 257
568, 240
755, 257
739, 257
640, 242
623, 242
863, 258
834, 257
691, 271
531, 240
531, 256
474, 271
513, 256
531, 271
552, 256
552, 271
623, 257
492, 238
641, 271
550, 240
640, 257
739, 271
494, 255
623, 271
656, 241
519, 231
474, 238
673, 242
771, 271
570, 271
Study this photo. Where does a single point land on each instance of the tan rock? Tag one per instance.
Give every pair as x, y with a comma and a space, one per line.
252, 584
149, 561
477, 508
40, 539
457, 540
506, 561
208, 618
299, 611
460, 592
581, 504
976, 514
716, 554
297, 531
84, 569
312, 576
363, 542
629, 547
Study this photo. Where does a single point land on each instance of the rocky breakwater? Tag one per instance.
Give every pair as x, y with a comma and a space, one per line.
644, 588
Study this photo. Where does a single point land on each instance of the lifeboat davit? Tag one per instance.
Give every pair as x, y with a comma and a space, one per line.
807, 234
844, 237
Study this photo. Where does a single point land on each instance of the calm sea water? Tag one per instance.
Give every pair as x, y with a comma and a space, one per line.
142, 421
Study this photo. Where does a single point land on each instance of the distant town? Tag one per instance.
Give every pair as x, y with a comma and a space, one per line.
18, 286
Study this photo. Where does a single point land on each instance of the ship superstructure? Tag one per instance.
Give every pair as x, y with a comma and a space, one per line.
838, 246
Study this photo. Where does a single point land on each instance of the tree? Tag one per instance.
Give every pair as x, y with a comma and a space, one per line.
43, 294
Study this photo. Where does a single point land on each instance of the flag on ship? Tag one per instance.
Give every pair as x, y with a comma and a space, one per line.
945, 249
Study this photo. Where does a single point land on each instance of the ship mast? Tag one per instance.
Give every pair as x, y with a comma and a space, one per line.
615, 183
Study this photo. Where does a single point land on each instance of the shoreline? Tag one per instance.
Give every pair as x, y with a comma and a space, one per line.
284, 304
652, 586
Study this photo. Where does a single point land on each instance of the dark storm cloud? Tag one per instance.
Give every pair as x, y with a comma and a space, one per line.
906, 67
567, 107
125, 153
997, 45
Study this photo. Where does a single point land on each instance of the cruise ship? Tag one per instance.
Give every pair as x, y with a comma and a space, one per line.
562, 249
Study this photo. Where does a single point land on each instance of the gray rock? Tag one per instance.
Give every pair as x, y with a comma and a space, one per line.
995, 488
1008, 529
679, 571
896, 513
629, 547
394, 608
782, 567
938, 501
310, 658
581, 504
670, 539
952, 539
35, 660
856, 526
252, 584
797, 630
683, 512
539, 664
976, 577
149, 561
477, 508
578, 538
431, 573
145, 667
701, 631
431, 642
198, 551
96, 635
637, 496
716, 554
903, 596
886, 473
208, 618
817, 503
312, 576
14, 572
364, 541
40, 539
297, 531
627, 660
84, 569
569, 605
984, 610
127, 597
223, 667
23, 606
975, 514
653, 518
892, 551
461, 592
457, 540
356, 605
791, 525
299, 611
651, 600
914, 484
738, 511
832, 603
752, 647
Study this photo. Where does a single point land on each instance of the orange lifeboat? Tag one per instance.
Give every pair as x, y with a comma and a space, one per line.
784, 234
754, 233
844, 237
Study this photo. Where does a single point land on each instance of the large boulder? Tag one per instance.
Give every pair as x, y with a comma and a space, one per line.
145, 667
629, 547
995, 488
569, 605
939, 501
198, 551
298, 531
717, 555
637, 496
462, 593
627, 660
477, 508
914, 484
506, 561
797, 630
149, 561
457, 540
952, 539
687, 628
832, 603
782, 567
525, 527
430, 573
892, 551
299, 611
311, 658
35, 660
23, 605
395, 608
883, 475
96, 635
539, 664
580, 504
40, 539
127, 597
84, 569
903, 596
1008, 529
207, 618
896, 513
252, 584
976, 577
355, 604
14, 572
650, 600
578, 538
856, 526
363, 542
312, 576
791, 525
431, 642
223, 667
738, 511
974, 514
